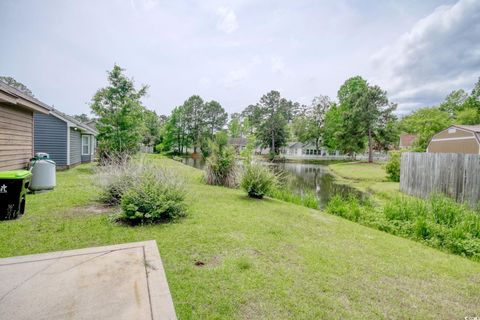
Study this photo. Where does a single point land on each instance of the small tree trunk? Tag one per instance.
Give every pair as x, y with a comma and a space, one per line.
370, 153
273, 143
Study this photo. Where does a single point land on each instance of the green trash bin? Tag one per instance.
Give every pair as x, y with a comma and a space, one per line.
13, 191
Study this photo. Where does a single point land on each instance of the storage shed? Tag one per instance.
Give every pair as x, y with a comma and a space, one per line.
17, 127
456, 139
68, 141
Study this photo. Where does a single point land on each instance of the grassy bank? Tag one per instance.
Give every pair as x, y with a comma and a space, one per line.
261, 259
437, 221
368, 177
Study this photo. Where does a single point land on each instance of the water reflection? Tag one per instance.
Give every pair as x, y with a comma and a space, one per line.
301, 178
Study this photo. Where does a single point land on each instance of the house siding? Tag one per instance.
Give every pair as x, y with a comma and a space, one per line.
75, 147
51, 137
16, 137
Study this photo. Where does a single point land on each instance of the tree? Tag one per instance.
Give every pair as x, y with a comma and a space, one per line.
273, 112
17, 85
195, 117
235, 126
152, 128
365, 115
331, 128
309, 122
468, 116
454, 102
425, 122
82, 117
215, 117
120, 115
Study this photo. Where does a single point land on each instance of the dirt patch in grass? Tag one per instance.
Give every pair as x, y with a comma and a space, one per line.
94, 209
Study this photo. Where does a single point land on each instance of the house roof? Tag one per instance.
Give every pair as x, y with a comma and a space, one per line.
475, 129
295, 144
406, 140
11, 95
72, 121
472, 128
237, 141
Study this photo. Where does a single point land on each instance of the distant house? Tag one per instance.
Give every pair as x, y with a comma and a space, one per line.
456, 139
68, 141
293, 149
16, 127
238, 143
299, 149
406, 141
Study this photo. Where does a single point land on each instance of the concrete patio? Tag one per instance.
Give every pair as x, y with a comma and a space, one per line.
124, 281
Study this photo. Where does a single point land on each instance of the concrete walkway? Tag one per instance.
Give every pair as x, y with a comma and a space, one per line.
124, 281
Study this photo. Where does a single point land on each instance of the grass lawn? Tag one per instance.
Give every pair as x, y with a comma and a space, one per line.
368, 177
262, 259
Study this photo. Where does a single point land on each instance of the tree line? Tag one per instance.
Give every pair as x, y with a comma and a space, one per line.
360, 119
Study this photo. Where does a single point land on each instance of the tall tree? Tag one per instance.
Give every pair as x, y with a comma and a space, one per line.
309, 123
215, 117
366, 113
152, 128
120, 115
194, 109
273, 112
17, 85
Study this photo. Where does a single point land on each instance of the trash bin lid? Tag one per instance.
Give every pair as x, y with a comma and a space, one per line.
15, 174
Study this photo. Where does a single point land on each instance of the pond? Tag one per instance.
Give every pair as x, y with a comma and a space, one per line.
301, 178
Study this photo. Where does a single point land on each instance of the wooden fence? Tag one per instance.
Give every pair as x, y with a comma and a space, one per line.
454, 174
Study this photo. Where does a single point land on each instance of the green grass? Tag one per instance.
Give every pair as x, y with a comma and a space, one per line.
367, 177
262, 258
360, 171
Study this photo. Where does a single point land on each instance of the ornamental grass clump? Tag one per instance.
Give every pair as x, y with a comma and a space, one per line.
221, 168
258, 180
114, 178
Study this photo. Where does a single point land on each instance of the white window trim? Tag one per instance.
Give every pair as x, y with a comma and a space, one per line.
88, 144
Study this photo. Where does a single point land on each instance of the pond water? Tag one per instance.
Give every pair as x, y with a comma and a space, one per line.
301, 178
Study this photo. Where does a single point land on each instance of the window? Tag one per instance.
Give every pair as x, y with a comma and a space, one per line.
85, 145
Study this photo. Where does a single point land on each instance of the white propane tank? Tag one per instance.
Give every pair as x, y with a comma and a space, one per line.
43, 175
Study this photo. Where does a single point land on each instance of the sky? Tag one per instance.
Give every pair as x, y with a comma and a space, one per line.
236, 51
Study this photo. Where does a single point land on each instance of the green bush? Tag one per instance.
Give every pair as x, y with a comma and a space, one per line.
393, 166
258, 180
221, 168
154, 197
114, 179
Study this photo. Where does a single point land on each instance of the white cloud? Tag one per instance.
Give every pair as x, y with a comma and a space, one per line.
439, 54
227, 20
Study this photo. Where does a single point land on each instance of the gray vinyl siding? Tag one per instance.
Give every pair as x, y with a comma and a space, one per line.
50, 136
75, 147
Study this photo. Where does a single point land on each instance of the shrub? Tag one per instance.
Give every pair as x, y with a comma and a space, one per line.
114, 178
221, 168
258, 180
154, 197
393, 166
